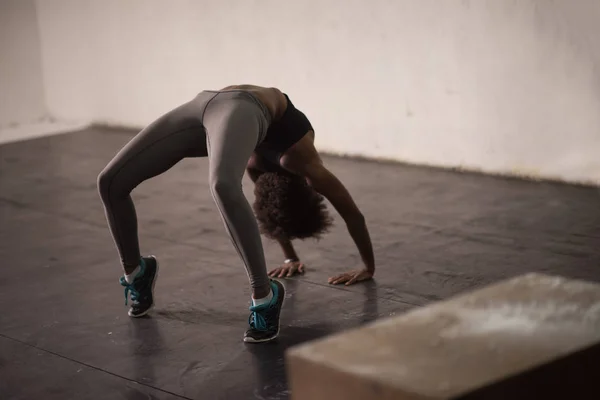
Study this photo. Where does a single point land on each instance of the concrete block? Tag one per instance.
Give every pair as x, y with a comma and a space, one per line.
531, 337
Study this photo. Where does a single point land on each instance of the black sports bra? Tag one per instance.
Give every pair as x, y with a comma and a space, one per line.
284, 133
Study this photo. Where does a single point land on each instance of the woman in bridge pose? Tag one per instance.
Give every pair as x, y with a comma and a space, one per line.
239, 128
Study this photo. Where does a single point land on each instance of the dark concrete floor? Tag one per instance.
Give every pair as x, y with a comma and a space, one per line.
64, 332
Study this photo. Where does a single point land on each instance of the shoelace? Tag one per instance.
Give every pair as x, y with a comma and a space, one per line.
257, 321
129, 289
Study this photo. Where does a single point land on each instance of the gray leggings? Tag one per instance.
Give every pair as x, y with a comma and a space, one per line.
224, 126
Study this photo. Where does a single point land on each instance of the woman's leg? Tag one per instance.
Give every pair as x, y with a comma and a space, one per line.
232, 134
158, 147
233, 130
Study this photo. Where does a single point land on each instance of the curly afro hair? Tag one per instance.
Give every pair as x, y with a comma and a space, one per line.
286, 207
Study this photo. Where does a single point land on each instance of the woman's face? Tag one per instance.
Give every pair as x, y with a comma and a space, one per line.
262, 164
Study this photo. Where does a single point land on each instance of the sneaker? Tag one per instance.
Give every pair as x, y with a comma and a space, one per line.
141, 290
264, 320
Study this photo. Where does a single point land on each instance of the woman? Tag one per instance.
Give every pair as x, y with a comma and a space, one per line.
238, 127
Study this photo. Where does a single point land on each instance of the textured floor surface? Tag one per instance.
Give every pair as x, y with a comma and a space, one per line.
64, 331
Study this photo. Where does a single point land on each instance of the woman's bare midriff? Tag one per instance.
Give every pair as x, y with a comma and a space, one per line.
272, 98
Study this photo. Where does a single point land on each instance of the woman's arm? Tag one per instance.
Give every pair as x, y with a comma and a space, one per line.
326, 183
304, 160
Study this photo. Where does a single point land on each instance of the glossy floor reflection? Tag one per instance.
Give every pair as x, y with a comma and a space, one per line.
64, 331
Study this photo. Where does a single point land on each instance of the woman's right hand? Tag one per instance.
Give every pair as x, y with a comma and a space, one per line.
287, 269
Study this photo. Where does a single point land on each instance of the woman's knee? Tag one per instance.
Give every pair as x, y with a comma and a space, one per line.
224, 187
109, 185
104, 182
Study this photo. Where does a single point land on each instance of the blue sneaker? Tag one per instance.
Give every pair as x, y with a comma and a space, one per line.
264, 319
141, 290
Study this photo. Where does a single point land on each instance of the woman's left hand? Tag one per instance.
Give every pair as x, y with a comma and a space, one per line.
351, 277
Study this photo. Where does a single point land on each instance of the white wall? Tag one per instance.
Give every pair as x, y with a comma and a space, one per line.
499, 86
21, 86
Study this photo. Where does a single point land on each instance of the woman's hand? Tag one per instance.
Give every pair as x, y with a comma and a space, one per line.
351, 277
287, 269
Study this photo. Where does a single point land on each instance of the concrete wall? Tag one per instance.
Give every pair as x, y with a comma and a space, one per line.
21, 84
499, 86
